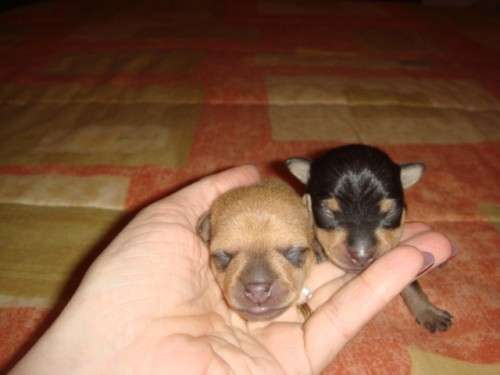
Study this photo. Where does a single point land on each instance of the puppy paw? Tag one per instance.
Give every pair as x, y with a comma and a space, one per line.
434, 319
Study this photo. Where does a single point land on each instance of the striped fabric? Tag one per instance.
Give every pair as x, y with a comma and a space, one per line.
106, 106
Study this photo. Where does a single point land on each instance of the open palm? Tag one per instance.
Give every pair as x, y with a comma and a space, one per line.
150, 305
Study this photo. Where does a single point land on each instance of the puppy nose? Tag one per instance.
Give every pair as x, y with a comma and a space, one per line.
258, 292
362, 258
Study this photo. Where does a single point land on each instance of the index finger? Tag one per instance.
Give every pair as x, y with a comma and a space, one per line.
339, 319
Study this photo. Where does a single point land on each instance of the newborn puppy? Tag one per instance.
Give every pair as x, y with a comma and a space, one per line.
261, 248
355, 193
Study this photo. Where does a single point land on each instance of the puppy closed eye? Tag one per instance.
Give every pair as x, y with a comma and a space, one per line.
296, 255
391, 219
222, 259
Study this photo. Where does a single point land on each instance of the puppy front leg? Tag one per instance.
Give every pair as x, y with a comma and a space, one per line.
431, 317
319, 252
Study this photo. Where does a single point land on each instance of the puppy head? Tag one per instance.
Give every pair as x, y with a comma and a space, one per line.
356, 196
260, 240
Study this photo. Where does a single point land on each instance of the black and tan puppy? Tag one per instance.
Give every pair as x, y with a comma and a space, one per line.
261, 246
356, 195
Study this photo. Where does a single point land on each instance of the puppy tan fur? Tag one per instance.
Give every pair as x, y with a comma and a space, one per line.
260, 240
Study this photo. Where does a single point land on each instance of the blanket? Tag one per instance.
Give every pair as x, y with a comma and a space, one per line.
107, 106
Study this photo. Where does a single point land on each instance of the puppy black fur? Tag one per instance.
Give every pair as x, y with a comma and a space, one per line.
359, 177
356, 195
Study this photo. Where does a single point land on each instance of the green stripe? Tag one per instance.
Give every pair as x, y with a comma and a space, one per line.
42, 247
492, 212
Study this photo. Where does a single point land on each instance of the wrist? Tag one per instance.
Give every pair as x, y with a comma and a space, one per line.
62, 349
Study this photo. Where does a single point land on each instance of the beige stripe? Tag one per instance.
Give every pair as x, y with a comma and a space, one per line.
383, 124
55, 190
304, 57
427, 363
137, 62
312, 122
104, 93
90, 134
396, 125
437, 93
7, 301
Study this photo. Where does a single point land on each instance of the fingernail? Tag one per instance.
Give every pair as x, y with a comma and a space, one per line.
428, 262
454, 249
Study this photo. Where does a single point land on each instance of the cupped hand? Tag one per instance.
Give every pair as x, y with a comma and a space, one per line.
150, 305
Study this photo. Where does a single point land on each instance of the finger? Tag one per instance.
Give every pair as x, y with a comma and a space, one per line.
325, 281
322, 273
327, 290
432, 242
196, 198
338, 320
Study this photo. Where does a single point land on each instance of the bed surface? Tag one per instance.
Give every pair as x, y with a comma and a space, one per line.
105, 107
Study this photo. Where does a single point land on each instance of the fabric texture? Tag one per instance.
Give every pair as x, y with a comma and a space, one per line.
107, 106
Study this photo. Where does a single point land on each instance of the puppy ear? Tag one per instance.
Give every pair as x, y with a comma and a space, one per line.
318, 250
411, 173
203, 227
306, 199
300, 168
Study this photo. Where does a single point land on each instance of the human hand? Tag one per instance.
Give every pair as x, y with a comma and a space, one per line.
150, 305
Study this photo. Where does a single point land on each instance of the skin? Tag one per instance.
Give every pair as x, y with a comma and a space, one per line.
150, 305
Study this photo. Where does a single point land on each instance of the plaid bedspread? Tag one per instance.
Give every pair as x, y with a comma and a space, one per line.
106, 106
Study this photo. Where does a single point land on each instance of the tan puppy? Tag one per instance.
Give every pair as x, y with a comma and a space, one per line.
261, 245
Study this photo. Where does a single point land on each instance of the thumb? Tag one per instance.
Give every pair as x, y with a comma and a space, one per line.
196, 198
